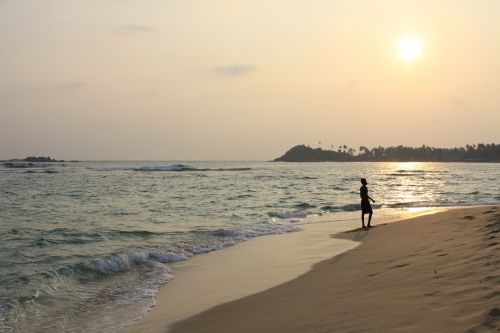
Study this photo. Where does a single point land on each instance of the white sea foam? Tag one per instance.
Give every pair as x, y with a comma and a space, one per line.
126, 261
172, 167
168, 168
227, 233
169, 256
4, 326
283, 214
184, 167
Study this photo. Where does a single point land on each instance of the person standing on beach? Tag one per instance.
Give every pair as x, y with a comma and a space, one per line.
366, 208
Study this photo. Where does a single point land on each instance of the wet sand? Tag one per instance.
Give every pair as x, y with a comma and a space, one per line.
434, 273
247, 268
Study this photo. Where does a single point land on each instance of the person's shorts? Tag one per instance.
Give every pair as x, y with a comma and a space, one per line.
366, 208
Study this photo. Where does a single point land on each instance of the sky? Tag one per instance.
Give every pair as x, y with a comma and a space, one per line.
243, 80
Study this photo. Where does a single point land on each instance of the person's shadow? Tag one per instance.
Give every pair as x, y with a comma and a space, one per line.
357, 234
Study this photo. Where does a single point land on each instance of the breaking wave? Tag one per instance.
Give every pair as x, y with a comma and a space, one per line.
184, 167
283, 214
22, 165
129, 260
166, 168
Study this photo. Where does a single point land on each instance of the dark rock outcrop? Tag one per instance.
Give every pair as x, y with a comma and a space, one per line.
302, 153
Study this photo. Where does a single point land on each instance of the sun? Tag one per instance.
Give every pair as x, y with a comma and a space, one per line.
409, 48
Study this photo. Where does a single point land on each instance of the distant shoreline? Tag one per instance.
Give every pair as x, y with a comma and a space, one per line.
480, 153
391, 161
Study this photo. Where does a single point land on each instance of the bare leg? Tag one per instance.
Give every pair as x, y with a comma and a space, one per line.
362, 220
370, 219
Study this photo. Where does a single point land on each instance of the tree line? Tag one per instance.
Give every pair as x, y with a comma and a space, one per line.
489, 152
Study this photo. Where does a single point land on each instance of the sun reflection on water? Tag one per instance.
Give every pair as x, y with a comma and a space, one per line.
408, 183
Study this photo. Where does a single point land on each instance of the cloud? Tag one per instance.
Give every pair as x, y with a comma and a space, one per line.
66, 86
234, 70
459, 103
37, 89
148, 93
354, 82
135, 28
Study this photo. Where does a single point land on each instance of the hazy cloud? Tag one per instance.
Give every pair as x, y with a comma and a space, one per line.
354, 82
458, 102
234, 70
135, 28
148, 93
66, 86
41, 89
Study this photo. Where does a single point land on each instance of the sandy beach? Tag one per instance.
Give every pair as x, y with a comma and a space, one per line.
434, 273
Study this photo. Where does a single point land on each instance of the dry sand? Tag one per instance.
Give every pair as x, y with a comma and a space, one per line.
435, 273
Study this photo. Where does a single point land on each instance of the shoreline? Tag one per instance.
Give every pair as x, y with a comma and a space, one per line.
432, 273
248, 268
228, 274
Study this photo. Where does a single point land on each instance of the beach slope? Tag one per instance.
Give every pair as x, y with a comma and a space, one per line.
435, 273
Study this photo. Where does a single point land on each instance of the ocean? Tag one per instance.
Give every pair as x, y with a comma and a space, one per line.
86, 245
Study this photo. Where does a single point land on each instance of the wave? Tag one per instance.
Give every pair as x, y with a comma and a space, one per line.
241, 196
49, 171
422, 171
129, 260
134, 233
346, 208
212, 240
305, 213
22, 165
305, 205
402, 173
283, 214
165, 168
184, 167
338, 188
172, 167
228, 237
94, 269
226, 233
42, 242
425, 204
69, 287
60, 236
406, 204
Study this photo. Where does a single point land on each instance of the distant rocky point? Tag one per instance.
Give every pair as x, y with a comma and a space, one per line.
302, 153
30, 162
38, 159
470, 153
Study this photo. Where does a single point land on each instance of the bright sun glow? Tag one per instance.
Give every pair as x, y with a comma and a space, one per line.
409, 48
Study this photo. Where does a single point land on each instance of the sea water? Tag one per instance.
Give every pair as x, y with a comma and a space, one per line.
86, 245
